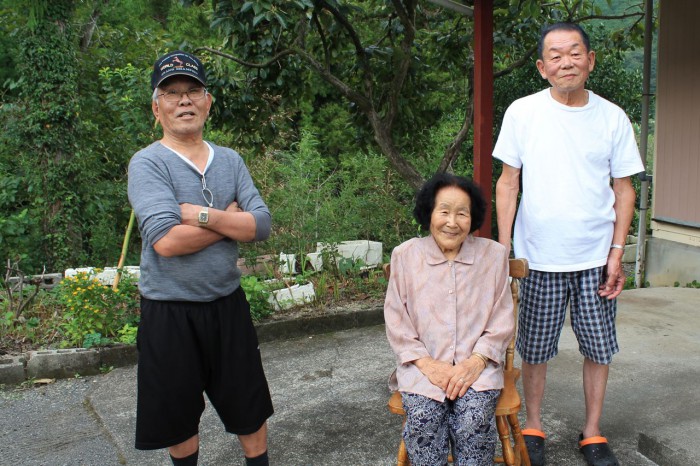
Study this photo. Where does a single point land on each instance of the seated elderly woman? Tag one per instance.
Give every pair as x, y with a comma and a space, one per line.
449, 319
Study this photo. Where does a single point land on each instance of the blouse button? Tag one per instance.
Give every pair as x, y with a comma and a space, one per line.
451, 291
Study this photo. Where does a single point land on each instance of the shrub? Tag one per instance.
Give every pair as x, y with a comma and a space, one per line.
94, 313
256, 292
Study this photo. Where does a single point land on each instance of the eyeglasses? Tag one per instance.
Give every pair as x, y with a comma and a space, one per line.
206, 193
196, 93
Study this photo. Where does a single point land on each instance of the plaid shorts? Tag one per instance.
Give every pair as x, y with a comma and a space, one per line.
543, 303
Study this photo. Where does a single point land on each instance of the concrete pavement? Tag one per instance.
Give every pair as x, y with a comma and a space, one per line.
330, 395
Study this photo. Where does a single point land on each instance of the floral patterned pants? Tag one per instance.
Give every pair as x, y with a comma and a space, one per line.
468, 423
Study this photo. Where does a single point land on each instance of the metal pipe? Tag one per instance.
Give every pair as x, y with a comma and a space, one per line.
644, 138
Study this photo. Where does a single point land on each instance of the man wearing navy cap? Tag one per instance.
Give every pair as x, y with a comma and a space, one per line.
194, 202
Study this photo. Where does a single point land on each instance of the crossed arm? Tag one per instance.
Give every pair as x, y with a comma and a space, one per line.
188, 237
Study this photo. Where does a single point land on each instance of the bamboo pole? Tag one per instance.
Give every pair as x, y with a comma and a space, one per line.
125, 246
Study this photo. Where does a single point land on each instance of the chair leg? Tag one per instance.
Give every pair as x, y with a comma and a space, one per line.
504, 434
402, 457
518, 440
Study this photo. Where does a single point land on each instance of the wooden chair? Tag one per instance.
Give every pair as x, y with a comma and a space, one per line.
508, 406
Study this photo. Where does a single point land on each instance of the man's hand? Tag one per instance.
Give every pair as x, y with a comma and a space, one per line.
615, 279
233, 207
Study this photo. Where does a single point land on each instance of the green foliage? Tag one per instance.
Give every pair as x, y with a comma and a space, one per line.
91, 309
257, 293
128, 334
312, 199
49, 123
75, 111
94, 339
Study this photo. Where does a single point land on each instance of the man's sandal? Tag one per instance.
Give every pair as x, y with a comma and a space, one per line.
534, 441
597, 451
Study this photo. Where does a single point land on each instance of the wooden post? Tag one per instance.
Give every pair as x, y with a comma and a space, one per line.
483, 105
125, 247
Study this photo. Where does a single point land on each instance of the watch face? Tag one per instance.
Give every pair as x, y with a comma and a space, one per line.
203, 216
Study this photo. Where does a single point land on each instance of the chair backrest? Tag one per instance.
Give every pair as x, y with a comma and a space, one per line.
517, 268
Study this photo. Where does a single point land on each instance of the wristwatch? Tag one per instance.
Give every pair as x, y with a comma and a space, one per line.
203, 217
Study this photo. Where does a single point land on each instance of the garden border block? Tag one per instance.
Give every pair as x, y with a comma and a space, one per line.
12, 369
63, 363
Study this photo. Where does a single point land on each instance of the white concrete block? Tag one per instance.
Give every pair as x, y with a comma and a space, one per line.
295, 295
369, 252
76, 271
287, 263
316, 260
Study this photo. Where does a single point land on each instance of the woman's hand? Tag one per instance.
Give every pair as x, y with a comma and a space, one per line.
464, 375
438, 372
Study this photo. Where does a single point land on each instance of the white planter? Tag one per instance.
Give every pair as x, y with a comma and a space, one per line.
295, 295
369, 252
106, 277
316, 260
287, 263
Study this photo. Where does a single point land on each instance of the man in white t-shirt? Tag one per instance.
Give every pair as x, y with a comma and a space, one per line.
572, 222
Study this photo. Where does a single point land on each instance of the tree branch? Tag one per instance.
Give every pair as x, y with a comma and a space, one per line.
452, 151
272, 60
516, 64
89, 30
407, 17
324, 42
363, 103
607, 17
368, 76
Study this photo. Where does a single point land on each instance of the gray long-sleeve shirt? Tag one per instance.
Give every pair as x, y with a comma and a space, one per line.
159, 181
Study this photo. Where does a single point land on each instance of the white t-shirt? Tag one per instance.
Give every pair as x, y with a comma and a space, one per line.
567, 156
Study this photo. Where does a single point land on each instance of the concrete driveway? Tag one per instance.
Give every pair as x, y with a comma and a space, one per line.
330, 396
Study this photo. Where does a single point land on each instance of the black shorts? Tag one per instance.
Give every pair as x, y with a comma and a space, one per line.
188, 348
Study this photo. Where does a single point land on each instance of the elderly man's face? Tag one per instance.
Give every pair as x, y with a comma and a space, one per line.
565, 63
451, 220
186, 117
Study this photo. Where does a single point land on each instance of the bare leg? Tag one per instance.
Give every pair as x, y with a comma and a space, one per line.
534, 378
595, 380
254, 444
186, 448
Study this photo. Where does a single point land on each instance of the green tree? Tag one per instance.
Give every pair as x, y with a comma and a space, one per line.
45, 130
390, 60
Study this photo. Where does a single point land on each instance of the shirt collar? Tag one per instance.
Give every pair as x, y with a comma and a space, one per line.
435, 256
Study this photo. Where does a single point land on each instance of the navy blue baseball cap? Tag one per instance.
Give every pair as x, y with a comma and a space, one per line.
177, 63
